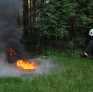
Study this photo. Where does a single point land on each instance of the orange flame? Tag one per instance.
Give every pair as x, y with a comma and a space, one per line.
26, 65
22, 63
11, 51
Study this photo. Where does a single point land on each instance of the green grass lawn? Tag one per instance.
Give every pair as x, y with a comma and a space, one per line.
71, 74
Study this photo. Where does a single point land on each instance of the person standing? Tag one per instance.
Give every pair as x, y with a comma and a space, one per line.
89, 49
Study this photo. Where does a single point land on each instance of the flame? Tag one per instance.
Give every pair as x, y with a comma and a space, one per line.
23, 63
26, 65
11, 51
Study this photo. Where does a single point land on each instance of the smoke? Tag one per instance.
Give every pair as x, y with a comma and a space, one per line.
43, 66
10, 33
9, 10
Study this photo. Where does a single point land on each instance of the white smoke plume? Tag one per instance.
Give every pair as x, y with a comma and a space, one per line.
43, 66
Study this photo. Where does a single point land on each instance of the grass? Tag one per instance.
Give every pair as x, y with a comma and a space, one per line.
72, 74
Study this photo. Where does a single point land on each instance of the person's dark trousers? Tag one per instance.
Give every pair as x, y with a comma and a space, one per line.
89, 49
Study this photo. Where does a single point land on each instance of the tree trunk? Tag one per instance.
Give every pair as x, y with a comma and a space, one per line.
25, 17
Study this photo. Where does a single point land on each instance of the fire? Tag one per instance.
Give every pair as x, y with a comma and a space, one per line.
22, 63
11, 51
26, 65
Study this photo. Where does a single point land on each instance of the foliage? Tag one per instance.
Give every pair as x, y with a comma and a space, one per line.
54, 18
63, 23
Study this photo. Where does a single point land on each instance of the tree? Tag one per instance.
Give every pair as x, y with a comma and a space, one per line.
25, 17
65, 19
61, 22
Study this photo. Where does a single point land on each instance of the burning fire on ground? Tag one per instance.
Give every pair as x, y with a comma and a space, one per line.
23, 63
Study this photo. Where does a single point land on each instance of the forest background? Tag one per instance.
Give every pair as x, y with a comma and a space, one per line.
51, 24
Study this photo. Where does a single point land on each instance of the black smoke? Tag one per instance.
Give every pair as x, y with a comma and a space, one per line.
10, 33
